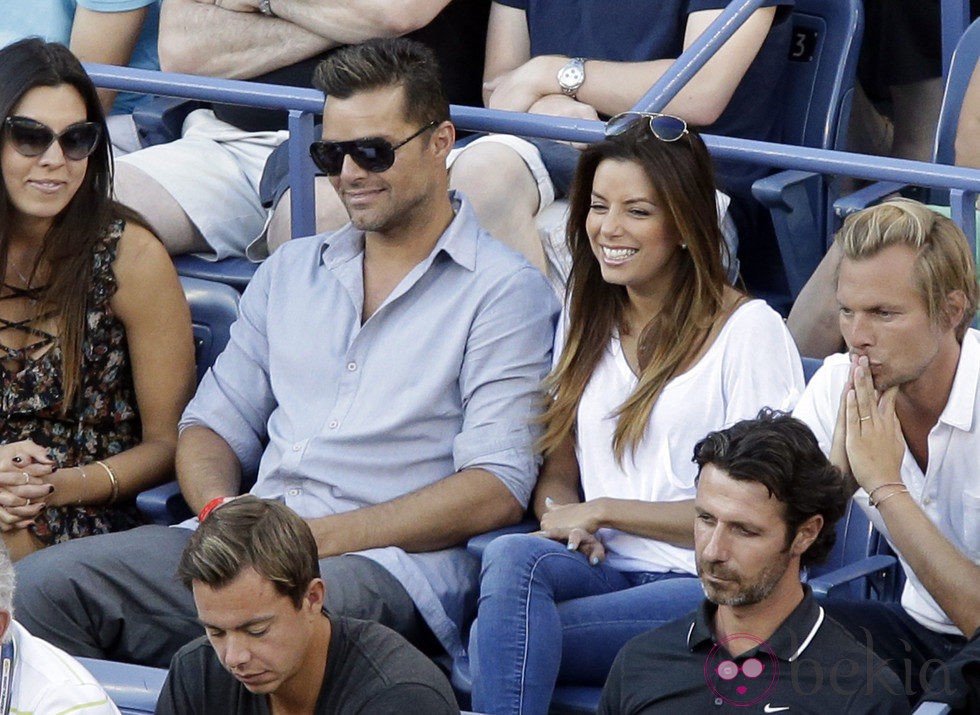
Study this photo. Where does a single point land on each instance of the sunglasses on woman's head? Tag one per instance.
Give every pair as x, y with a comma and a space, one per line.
372, 154
30, 137
666, 127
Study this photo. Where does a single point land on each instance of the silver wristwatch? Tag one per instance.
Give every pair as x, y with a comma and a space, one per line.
265, 7
571, 76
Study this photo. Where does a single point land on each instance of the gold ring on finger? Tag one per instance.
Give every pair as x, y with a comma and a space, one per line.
27, 477
866, 417
28, 503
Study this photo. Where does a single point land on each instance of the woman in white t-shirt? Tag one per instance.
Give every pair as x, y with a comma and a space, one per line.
658, 350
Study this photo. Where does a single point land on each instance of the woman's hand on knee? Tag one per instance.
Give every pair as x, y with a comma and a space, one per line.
589, 544
559, 519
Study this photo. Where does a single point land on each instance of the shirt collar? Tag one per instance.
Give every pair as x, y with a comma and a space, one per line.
458, 241
960, 410
788, 642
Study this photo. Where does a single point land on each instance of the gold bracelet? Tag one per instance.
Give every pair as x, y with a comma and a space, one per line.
81, 494
114, 483
877, 504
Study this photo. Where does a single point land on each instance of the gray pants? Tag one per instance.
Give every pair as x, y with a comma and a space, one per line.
115, 596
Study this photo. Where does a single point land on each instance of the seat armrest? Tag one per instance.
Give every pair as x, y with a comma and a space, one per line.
863, 198
161, 119
876, 566
164, 504
478, 544
796, 201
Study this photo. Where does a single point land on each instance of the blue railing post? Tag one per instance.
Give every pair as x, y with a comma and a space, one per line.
955, 17
301, 174
694, 57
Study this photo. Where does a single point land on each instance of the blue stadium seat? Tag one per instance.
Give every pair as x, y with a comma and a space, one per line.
133, 688
214, 307
818, 89
965, 59
861, 564
235, 272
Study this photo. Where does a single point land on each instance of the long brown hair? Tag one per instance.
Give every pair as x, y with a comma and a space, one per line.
69, 242
683, 181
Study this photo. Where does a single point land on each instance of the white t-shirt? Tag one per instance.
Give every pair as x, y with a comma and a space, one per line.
47, 680
753, 363
949, 490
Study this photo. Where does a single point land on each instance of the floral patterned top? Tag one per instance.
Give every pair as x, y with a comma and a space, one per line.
104, 419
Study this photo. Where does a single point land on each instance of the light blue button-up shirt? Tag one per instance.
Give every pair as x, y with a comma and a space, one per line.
335, 415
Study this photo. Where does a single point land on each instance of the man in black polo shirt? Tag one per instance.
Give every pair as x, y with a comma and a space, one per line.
767, 502
269, 646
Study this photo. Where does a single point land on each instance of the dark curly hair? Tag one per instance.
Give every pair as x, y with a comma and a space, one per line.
781, 453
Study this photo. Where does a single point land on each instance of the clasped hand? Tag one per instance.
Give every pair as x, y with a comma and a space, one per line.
575, 524
24, 489
868, 443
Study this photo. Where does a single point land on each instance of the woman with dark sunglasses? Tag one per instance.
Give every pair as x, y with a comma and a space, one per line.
96, 352
658, 351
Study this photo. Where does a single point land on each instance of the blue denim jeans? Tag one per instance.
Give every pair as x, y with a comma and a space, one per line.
546, 615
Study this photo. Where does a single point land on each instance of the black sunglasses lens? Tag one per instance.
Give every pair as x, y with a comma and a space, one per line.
667, 128
80, 140
328, 157
372, 154
30, 138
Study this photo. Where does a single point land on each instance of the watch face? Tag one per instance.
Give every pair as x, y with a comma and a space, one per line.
572, 76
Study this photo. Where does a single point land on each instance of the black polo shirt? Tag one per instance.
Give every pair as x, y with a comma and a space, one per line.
809, 665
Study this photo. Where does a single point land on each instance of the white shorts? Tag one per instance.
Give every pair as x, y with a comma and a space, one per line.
213, 172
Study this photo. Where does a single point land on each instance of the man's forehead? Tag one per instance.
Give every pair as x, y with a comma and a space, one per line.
376, 112
881, 279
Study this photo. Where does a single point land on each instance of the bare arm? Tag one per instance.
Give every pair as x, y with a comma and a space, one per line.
150, 303
612, 87
206, 467
813, 319
438, 516
197, 38
558, 482
351, 21
670, 522
200, 38
875, 447
89, 31
947, 574
968, 128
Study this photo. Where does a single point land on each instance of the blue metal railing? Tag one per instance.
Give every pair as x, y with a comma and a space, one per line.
301, 105
955, 17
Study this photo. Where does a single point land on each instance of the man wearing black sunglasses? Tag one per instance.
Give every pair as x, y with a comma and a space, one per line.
382, 380
207, 190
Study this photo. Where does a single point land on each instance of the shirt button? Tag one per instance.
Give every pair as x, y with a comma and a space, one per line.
927, 501
334, 424
351, 366
297, 447
719, 701
293, 492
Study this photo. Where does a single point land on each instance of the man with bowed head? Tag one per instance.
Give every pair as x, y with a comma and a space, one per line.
269, 645
767, 504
